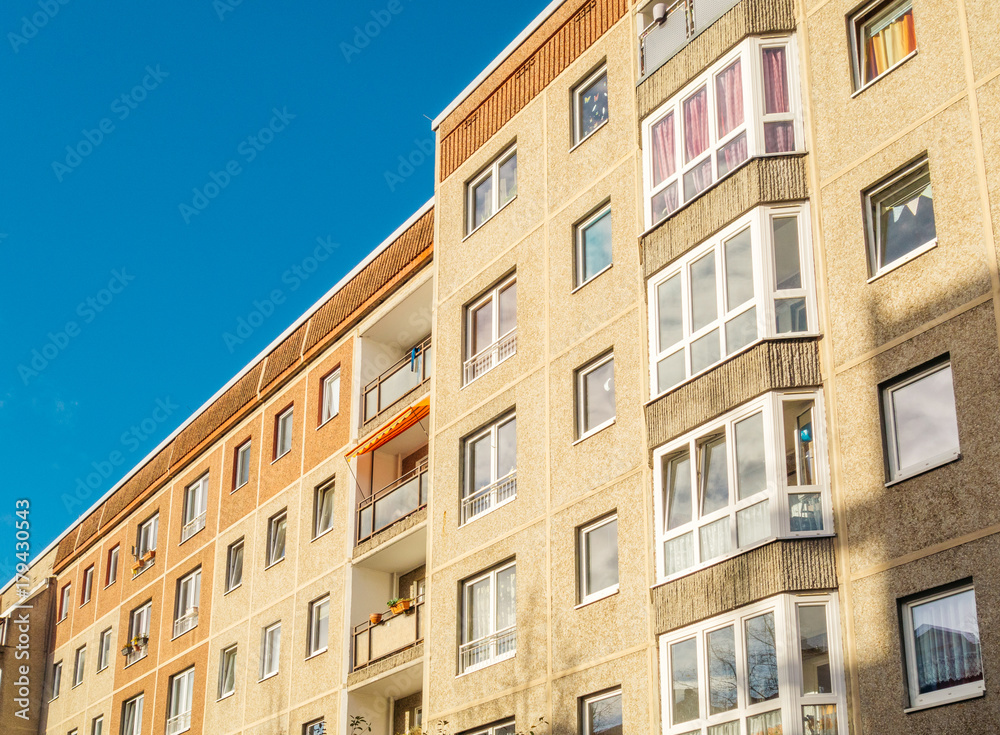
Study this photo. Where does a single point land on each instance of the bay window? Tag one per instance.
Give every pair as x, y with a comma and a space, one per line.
744, 105
490, 468
489, 611
750, 281
753, 475
756, 671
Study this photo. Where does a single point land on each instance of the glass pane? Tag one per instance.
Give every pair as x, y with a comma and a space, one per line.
596, 251
697, 179
704, 306
739, 269
905, 214
601, 571
593, 106
799, 445
670, 370
753, 524
679, 554
721, 654
775, 80
790, 315
924, 419
815, 650
482, 327
477, 610
751, 466
779, 137
507, 448
726, 728
886, 40
729, 99
664, 159
508, 180
732, 154
677, 481
668, 301
483, 198
705, 351
506, 598
741, 330
787, 270
695, 125
946, 642
508, 309
806, 512
684, 680
762, 659
714, 475
664, 203
768, 723
820, 719
605, 716
599, 395
715, 539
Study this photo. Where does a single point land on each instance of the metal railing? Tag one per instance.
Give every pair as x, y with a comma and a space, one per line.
489, 497
185, 622
393, 634
135, 655
488, 650
409, 372
490, 357
393, 503
193, 526
179, 723
684, 19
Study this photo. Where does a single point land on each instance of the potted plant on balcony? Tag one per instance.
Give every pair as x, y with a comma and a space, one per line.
375, 618
148, 556
139, 641
137, 567
399, 604
126, 650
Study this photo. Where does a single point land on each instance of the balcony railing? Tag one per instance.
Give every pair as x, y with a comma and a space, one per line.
137, 654
394, 502
393, 634
186, 621
684, 19
193, 526
488, 650
489, 497
491, 357
179, 723
410, 371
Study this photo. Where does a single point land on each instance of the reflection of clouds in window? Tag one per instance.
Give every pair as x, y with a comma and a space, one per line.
762, 658
599, 394
721, 645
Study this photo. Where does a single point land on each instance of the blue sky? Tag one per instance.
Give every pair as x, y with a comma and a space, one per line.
167, 164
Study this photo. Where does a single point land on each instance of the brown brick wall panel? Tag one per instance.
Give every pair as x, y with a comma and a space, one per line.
748, 18
761, 181
284, 355
771, 365
145, 478
66, 546
792, 565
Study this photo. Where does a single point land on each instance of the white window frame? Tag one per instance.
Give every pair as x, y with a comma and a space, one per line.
942, 696
57, 668
182, 691
498, 350
330, 398
579, 232
586, 726
778, 491
270, 646
759, 221
135, 704
224, 654
283, 426
104, 650
491, 170
490, 574
856, 24
790, 699
79, 665
327, 488
496, 729
314, 645
240, 545
195, 507
88, 585
581, 386
65, 601
242, 461
894, 473
754, 117
139, 625
112, 572
188, 592
272, 527
578, 90
97, 725
146, 535
315, 727
872, 198
583, 544
501, 490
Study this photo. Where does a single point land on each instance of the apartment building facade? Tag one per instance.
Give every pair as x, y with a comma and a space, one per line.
683, 429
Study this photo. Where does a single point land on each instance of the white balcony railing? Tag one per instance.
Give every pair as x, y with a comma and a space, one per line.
489, 497
136, 654
488, 650
662, 36
491, 357
192, 527
179, 723
186, 621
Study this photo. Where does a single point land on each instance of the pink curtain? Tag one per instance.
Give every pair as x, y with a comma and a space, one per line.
664, 162
779, 137
695, 125
775, 80
733, 154
729, 99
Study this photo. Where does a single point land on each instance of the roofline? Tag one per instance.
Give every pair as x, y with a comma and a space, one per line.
495, 64
232, 381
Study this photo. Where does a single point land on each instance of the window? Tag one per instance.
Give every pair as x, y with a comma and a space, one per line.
283, 433
921, 426
88, 585
501, 728
316, 727
64, 602
112, 573
132, 716
601, 714
490, 468
899, 215
489, 607
323, 509
590, 105
319, 625
593, 246
186, 606
104, 650
234, 565
147, 536
195, 507
97, 725
79, 665
767, 667
491, 329
492, 190
331, 396
941, 642
882, 37
227, 672
752, 280
139, 632
597, 552
595, 395
179, 707
743, 106
242, 474
56, 678
270, 650
276, 538
755, 474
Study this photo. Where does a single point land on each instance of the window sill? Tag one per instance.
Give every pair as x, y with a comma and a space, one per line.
883, 75
110, 583
226, 696
103, 668
899, 262
487, 512
232, 589
185, 540
75, 686
605, 594
490, 218
285, 454
596, 430
488, 664
239, 486
265, 678
924, 469
943, 702
327, 420
314, 654
589, 135
593, 278
84, 604
320, 535
274, 563
181, 635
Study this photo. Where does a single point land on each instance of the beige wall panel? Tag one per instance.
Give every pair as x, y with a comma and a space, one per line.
227, 714
313, 676
318, 555
989, 119
327, 707
631, 673
274, 582
230, 607
266, 697
984, 19
524, 706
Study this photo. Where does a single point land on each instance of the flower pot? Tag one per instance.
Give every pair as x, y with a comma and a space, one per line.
375, 618
149, 555
401, 606
126, 650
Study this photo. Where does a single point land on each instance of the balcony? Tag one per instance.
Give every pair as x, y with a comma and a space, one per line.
395, 501
186, 622
489, 497
192, 527
490, 357
393, 634
665, 28
137, 652
404, 376
488, 650
179, 723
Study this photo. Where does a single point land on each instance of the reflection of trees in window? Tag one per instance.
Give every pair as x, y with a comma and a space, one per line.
721, 646
762, 659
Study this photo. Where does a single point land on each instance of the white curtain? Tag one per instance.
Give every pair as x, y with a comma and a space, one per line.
679, 554
753, 524
946, 640
506, 598
715, 539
